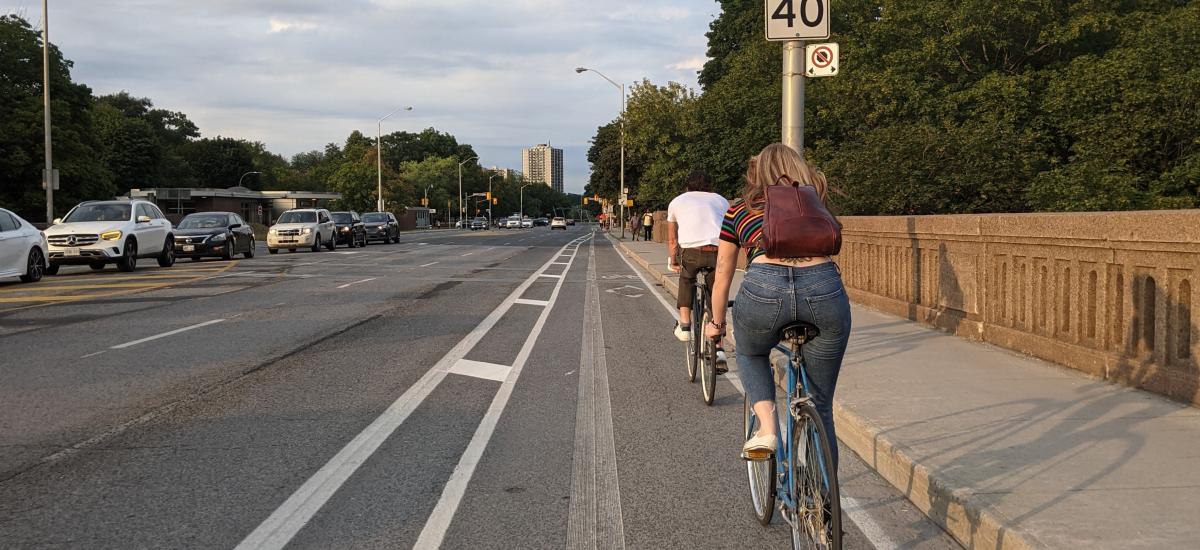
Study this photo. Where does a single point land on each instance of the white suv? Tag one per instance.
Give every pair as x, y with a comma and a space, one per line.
98, 233
303, 228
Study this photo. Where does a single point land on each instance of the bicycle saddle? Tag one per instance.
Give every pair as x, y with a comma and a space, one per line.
799, 332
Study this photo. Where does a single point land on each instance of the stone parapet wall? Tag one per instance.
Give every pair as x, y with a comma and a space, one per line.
1110, 293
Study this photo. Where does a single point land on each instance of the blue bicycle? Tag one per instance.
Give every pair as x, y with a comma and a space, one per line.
801, 475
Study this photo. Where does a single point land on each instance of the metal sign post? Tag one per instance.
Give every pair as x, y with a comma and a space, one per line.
793, 22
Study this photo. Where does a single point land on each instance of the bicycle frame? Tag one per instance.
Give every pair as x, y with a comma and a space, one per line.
798, 391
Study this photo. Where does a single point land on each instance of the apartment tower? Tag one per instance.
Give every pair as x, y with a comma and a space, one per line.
543, 164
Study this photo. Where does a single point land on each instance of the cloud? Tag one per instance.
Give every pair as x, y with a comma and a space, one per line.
297, 74
281, 25
690, 64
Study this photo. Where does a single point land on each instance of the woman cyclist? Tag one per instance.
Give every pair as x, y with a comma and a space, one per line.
776, 292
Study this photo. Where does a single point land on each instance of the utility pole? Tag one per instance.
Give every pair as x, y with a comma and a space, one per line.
48, 177
379, 157
793, 95
462, 207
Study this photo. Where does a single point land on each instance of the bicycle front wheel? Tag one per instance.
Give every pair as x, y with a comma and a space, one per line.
816, 520
761, 473
692, 348
707, 360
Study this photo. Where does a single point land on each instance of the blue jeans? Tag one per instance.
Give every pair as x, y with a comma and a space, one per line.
773, 296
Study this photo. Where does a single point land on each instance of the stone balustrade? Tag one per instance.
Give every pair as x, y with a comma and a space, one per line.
1107, 293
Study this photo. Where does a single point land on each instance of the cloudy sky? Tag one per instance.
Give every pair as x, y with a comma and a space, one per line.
297, 74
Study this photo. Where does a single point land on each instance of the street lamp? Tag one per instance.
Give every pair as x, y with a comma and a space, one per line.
522, 191
379, 157
462, 208
621, 194
244, 177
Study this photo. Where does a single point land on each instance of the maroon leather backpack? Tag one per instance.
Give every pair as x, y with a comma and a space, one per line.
796, 223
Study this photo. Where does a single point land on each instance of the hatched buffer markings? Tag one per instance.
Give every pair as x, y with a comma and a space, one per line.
77, 287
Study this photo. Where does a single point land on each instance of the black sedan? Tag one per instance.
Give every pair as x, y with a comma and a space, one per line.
350, 229
382, 226
215, 234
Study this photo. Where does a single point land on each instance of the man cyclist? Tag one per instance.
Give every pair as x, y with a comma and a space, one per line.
693, 233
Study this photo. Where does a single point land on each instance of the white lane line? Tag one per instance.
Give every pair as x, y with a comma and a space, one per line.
468, 253
871, 529
558, 263
542, 303
166, 334
550, 276
434, 532
282, 525
93, 354
594, 518
348, 285
479, 369
345, 252
428, 264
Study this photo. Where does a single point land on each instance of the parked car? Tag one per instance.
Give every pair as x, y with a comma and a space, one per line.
570, 221
213, 234
540, 222
526, 223
99, 233
479, 223
558, 223
514, 222
309, 228
23, 249
382, 226
350, 228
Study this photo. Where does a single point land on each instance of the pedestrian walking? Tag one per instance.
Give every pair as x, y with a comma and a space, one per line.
648, 225
635, 225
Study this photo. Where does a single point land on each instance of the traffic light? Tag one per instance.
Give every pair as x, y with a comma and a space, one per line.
585, 200
489, 195
496, 200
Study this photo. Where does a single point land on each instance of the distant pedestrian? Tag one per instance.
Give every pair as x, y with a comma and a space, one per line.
635, 225
648, 225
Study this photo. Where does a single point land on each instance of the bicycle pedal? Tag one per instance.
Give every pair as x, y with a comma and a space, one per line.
756, 455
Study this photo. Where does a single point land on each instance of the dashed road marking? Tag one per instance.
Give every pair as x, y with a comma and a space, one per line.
348, 285
166, 334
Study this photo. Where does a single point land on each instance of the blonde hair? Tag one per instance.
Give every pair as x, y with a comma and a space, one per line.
778, 164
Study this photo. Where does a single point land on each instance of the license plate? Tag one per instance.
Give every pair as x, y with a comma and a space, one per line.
189, 248
287, 240
71, 251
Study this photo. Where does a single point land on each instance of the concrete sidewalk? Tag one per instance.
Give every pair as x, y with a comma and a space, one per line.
1005, 451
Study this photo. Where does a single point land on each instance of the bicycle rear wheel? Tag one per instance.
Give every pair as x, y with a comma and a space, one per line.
817, 520
707, 359
761, 473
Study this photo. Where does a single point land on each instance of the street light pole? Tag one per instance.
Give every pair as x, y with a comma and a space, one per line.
379, 157
621, 192
49, 177
522, 191
462, 207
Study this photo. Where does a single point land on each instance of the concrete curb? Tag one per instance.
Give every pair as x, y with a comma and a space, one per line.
954, 509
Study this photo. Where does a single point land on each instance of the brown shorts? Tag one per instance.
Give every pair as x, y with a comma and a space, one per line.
691, 260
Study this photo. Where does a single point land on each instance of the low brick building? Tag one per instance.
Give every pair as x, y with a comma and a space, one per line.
254, 206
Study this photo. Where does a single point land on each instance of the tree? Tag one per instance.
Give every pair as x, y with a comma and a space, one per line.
78, 154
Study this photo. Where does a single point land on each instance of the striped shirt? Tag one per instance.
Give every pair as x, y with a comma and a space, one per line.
743, 228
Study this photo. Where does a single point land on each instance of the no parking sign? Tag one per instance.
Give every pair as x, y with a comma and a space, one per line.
821, 59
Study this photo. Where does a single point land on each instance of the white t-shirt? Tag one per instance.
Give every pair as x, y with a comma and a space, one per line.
698, 215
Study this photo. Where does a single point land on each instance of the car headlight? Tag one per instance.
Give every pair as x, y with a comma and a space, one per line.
217, 238
111, 236
345, 229
274, 231
305, 230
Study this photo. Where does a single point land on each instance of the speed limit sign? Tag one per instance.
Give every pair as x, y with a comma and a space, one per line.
797, 19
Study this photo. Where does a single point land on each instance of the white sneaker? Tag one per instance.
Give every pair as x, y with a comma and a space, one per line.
759, 447
682, 335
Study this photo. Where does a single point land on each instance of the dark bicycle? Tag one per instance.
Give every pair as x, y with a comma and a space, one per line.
801, 475
701, 352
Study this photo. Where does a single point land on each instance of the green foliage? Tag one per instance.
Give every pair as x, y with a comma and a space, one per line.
955, 106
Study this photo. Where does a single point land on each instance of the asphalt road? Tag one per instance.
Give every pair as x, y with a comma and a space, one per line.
495, 389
